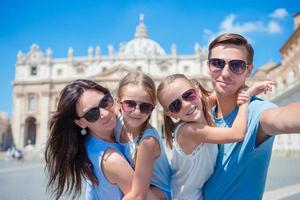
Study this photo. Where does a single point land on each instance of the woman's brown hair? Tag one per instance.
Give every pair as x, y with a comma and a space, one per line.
65, 155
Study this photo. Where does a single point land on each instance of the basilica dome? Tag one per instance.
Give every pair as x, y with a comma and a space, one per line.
141, 45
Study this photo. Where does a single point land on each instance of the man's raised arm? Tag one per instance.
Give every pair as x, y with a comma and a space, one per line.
284, 119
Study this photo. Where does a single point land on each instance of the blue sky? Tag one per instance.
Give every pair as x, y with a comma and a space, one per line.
60, 24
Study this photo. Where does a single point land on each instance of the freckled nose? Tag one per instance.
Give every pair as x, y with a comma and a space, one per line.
137, 109
185, 103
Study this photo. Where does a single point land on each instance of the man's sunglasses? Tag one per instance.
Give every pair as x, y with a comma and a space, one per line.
236, 66
131, 105
93, 114
189, 95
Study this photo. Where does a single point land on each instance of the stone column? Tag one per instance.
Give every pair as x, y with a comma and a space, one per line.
44, 118
17, 119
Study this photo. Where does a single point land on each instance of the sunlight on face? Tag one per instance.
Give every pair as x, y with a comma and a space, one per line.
138, 94
190, 110
107, 118
225, 82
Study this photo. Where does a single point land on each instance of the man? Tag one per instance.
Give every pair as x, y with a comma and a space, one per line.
241, 168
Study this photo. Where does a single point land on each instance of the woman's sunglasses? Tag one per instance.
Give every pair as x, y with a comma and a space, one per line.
131, 105
189, 95
93, 114
236, 66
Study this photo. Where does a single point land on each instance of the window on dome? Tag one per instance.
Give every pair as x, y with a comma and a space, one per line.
139, 68
33, 70
104, 69
80, 70
186, 69
59, 72
163, 68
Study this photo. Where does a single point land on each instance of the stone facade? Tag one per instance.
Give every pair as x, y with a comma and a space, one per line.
39, 78
6, 140
287, 76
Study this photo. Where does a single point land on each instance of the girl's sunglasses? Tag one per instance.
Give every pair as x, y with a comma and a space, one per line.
189, 95
236, 66
93, 114
131, 105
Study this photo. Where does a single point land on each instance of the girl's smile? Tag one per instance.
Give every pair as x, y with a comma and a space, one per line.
182, 101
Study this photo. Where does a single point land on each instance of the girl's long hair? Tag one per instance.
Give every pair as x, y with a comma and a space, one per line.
147, 83
170, 125
65, 155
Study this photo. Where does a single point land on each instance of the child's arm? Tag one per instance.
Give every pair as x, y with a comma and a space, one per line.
259, 87
202, 133
118, 171
148, 150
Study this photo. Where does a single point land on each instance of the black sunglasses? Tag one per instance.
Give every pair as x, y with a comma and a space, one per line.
189, 95
131, 105
236, 66
93, 114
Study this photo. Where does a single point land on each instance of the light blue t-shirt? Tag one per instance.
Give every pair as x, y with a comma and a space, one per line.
161, 176
241, 168
95, 148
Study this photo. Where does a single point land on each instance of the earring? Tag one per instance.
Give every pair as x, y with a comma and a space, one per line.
83, 131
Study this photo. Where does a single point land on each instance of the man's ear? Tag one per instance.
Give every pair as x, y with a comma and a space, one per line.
249, 70
79, 123
207, 68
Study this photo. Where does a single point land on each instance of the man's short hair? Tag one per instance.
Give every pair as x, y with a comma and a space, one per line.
235, 39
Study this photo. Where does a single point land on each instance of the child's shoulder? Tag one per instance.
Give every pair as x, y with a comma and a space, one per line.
179, 127
151, 132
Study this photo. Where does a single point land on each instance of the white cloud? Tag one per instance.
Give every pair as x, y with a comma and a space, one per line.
230, 24
207, 31
279, 13
274, 27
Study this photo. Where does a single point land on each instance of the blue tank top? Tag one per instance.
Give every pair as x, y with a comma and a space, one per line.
95, 148
161, 176
241, 168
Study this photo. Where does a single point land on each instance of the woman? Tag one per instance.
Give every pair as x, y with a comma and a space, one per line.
81, 145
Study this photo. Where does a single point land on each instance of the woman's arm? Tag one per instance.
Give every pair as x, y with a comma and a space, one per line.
118, 171
147, 152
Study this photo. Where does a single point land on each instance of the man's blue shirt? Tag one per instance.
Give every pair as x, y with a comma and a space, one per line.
241, 168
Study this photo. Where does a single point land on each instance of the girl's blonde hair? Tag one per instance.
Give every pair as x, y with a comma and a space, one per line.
147, 83
138, 79
169, 124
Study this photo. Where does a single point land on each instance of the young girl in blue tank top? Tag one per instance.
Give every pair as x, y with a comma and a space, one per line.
195, 137
142, 144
